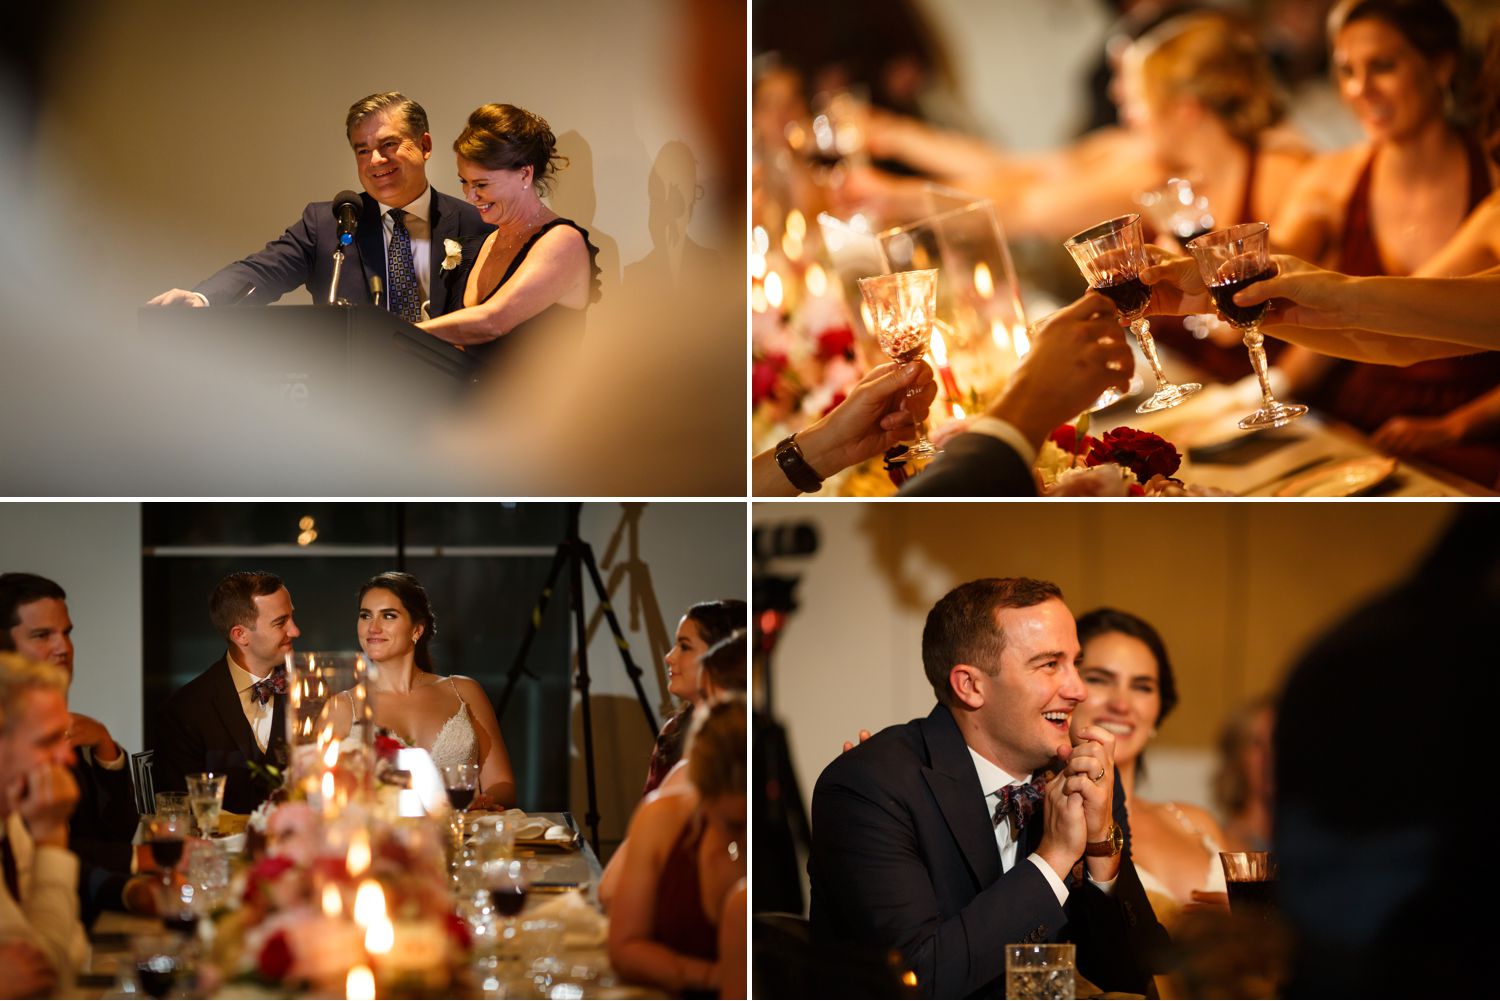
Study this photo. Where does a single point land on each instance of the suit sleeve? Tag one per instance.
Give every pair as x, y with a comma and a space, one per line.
867, 860
106, 818
973, 465
284, 265
179, 750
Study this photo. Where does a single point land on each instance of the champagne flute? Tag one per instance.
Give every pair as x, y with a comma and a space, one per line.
1229, 260
901, 308
1111, 257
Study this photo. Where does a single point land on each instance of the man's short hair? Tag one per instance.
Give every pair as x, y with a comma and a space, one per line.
17, 589
233, 603
410, 112
961, 628
19, 675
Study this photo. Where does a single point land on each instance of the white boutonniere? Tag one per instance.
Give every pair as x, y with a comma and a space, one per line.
455, 254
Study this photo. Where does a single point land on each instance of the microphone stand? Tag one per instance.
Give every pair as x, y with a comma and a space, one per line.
333, 286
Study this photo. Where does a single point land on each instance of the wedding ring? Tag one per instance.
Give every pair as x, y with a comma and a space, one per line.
1100, 775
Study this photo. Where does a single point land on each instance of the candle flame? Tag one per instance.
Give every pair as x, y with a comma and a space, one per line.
327, 787
333, 904
358, 859
984, 283
958, 411
369, 903
307, 726
817, 280
796, 225
1000, 334
360, 985
773, 290
331, 756
939, 348
379, 937
791, 245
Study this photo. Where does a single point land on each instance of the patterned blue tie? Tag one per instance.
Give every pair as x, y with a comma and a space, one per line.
406, 298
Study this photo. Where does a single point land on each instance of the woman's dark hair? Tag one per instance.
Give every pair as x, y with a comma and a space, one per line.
413, 597
724, 664
1101, 621
1429, 26
505, 137
717, 619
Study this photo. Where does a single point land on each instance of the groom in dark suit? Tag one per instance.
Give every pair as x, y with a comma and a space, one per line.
403, 223
949, 837
233, 714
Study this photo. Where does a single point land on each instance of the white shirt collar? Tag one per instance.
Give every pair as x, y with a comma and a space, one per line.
992, 778
420, 206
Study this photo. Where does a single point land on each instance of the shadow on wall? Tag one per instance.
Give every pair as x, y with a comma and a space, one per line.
622, 751
642, 609
575, 198
676, 263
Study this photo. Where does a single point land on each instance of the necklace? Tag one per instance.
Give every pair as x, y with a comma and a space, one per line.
517, 234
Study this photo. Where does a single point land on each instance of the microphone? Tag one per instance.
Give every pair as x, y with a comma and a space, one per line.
346, 209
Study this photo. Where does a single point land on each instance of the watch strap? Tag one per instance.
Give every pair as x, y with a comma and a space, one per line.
795, 466
1109, 847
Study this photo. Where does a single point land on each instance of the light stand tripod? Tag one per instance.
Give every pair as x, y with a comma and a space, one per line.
579, 555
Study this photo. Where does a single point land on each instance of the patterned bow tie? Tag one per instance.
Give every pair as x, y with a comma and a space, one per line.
1018, 803
272, 684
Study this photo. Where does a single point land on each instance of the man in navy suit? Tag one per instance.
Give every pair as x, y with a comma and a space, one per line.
233, 714
927, 841
403, 223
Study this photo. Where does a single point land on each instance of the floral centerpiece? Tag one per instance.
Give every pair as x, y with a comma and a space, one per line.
1123, 463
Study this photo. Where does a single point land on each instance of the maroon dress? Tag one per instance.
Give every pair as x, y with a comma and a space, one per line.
1366, 396
681, 924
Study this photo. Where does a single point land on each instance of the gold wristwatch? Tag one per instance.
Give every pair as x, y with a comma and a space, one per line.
1110, 846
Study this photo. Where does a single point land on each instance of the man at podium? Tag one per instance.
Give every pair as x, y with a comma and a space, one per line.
397, 249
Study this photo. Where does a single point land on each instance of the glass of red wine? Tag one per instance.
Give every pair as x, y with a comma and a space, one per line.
462, 781
900, 309
1251, 878
508, 880
1229, 260
164, 964
1112, 256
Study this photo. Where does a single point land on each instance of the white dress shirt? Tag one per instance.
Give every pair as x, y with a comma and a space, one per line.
993, 778
47, 913
420, 229
258, 716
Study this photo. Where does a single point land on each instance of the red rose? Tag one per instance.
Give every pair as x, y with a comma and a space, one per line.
763, 377
270, 867
458, 930
836, 342
837, 399
1143, 453
275, 960
1065, 437
386, 748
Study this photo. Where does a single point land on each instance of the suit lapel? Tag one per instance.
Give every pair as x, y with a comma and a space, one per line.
370, 239
226, 703
444, 226
955, 787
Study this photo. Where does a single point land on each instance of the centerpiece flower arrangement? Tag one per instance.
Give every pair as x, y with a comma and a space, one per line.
1123, 463
338, 892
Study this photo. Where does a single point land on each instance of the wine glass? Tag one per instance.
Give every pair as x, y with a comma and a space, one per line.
164, 963
1230, 259
1111, 257
462, 782
1176, 209
901, 309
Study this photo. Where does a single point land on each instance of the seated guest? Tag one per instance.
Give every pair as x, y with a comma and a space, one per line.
1175, 846
704, 624
42, 942
525, 288
681, 898
948, 837
101, 829
449, 716
1242, 782
403, 226
233, 714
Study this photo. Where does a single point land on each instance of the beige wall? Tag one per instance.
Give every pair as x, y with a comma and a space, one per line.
1237, 589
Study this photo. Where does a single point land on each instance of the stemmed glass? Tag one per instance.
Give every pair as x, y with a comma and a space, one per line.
1229, 260
901, 308
462, 781
1175, 208
1111, 257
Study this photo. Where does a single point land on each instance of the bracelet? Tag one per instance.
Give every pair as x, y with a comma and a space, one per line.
792, 462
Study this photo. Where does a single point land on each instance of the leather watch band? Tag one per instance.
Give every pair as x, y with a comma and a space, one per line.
792, 462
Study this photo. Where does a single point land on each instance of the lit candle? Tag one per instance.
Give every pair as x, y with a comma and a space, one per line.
360, 985
333, 904
358, 859
369, 903
331, 755
984, 283
380, 937
940, 356
817, 281
773, 290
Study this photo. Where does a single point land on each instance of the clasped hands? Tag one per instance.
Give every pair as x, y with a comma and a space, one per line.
1080, 805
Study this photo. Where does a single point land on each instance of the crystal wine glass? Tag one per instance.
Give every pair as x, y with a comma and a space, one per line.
1112, 256
901, 308
1176, 209
1230, 259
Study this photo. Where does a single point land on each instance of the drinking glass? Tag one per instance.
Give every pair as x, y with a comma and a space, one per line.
164, 964
901, 308
1111, 257
172, 803
206, 797
462, 782
1230, 259
1040, 971
1251, 877
1176, 209
166, 835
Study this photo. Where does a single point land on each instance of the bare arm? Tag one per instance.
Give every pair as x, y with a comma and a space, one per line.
555, 270
496, 779
1475, 248
632, 951
733, 962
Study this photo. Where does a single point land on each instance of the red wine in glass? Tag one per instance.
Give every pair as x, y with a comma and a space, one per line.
1240, 316
1249, 896
166, 851
1130, 295
460, 798
185, 922
159, 975
508, 896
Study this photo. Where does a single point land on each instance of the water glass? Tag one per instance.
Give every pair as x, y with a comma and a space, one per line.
1040, 971
1251, 879
174, 804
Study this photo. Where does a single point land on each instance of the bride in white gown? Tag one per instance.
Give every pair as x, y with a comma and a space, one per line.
449, 716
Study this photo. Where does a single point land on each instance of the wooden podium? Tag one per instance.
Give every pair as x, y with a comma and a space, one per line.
320, 360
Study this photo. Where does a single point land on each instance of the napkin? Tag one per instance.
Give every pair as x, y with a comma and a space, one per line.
532, 828
583, 926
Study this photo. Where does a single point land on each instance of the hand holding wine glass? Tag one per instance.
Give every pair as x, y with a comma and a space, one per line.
901, 308
1111, 257
1230, 260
